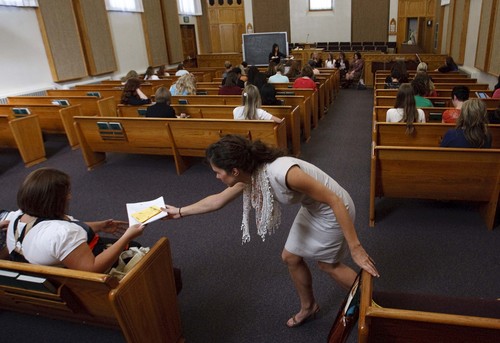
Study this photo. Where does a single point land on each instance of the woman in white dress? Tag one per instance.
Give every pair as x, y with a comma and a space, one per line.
323, 229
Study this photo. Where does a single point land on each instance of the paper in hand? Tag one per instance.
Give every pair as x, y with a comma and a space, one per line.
145, 212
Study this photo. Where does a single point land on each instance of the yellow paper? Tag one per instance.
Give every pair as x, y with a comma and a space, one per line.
146, 214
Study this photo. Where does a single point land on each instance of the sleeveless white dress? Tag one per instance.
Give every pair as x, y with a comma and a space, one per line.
315, 232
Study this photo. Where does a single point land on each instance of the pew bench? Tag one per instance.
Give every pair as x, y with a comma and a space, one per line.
142, 304
25, 135
100, 135
404, 317
449, 85
100, 94
435, 173
291, 115
88, 105
432, 114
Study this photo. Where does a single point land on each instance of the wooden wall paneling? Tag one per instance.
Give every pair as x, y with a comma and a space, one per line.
459, 20
61, 38
484, 35
202, 23
96, 36
152, 23
226, 25
172, 31
271, 16
493, 60
370, 21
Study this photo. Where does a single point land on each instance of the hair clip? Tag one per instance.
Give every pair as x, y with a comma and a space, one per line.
245, 94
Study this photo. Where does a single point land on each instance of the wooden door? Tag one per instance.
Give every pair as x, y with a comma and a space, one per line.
188, 34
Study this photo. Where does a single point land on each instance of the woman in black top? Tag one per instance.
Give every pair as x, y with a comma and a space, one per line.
276, 55
268, 95
132, 95
162, 108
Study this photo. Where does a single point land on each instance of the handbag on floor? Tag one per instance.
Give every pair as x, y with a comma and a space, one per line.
127, 260
348, 314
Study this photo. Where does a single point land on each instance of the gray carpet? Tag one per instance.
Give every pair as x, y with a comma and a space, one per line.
237, 294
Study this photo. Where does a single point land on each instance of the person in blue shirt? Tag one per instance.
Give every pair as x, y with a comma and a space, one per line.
471, 130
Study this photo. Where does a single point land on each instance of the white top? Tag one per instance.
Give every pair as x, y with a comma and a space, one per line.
395, 115
278, 78
47, 243
261, 114
152, 77
330, 64
181, 72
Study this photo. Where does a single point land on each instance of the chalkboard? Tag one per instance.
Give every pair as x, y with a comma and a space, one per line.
257, 46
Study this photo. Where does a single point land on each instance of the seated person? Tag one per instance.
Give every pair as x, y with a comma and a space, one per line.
185, 85
239, 82
393, 81
161, 108
161, 72
280, 76
471, 130
459, 94
180, 70
430, 89
227, 68
342, 64
306, 78
496, 92
132, 94
314, 68
150, 74
271, 69
317, 60
276, 55
405, 109
251, 107
268, 95
419, 89
330, 61
356, 69
230, 86
449, 65
41, 232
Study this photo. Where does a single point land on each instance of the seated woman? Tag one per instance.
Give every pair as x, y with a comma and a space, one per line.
449, 65
150, 74
294, 70
41, 232
496, 92
393, 81
271, 69
268, 95
280, 76
130, 74
471, 130
185, 85
230, 86
306, 79
251, 107
330, 61
132, 94
356, 70
420, 90
162, 72
342, 64
161, 108
405, 110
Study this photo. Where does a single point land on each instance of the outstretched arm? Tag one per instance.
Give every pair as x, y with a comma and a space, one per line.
211, 203
299, 181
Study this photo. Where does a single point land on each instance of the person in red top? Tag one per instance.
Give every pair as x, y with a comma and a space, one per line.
459, 95
306, 78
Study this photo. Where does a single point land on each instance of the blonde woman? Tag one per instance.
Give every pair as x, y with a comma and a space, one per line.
185, 85
251, 107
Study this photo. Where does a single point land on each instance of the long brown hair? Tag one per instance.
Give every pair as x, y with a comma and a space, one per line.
406, 100
473, 120
44, 194
130, 89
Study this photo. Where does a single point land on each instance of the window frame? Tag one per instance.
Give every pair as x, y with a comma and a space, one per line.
320, 9
19, 3
124, 6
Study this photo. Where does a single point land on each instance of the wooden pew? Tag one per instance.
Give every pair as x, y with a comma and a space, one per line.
103, 93
447, 85
147, 88
99, 135
434, 173
25, 135
437, 101
289, 100
425, 318
458, 80
291, 115
424, 135
88, 105
308, 93
147, 291
432, 114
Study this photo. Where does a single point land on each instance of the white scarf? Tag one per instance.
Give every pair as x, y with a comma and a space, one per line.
258, 195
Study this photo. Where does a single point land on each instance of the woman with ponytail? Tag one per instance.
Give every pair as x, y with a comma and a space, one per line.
250, 109
323, 229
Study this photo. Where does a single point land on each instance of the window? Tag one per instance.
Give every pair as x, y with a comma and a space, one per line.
124, 5
19, 3
189, 7
320, 5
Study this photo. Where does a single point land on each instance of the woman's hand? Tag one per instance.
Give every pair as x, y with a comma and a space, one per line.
134, 231
4, 224
362, 259
115, 227
172, 211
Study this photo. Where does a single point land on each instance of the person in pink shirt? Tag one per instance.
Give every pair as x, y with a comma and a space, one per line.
306, 78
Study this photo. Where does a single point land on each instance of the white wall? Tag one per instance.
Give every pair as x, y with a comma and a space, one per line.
23, 62
313, 27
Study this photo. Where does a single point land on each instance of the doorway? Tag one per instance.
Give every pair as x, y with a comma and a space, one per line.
189, 51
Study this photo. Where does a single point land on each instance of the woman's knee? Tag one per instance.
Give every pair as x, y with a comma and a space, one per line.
327, 267
290, 259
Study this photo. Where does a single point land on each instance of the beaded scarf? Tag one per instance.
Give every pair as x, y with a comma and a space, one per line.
258, 195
